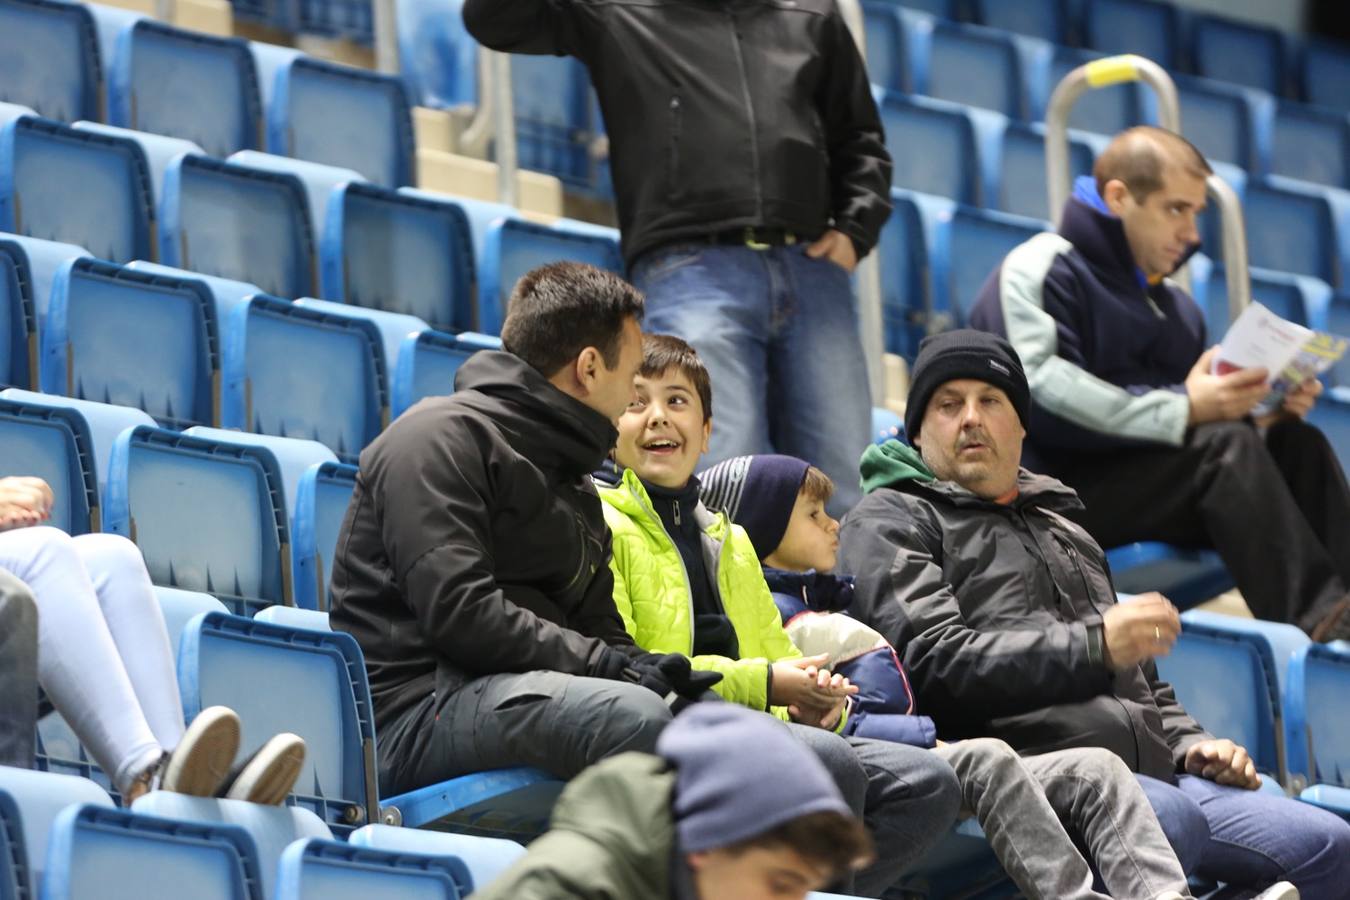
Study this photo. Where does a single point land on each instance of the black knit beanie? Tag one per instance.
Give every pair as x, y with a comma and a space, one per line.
965, 353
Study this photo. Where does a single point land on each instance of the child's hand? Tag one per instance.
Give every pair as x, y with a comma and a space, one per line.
801, 682
826, 717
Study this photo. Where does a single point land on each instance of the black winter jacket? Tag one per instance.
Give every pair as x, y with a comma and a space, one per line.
475, 538
721, 114
992, 608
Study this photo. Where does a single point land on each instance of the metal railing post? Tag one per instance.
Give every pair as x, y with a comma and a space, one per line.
503, 123
386, 35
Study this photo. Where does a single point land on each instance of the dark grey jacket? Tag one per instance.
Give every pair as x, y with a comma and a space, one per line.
997, 613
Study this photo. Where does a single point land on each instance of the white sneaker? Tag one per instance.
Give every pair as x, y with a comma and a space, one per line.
269, 774
202, 758
1282, 891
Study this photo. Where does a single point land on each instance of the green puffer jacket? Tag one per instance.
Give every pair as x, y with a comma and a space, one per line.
651, 590
612, 836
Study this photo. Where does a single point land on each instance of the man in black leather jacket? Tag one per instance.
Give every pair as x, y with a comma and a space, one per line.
751, 174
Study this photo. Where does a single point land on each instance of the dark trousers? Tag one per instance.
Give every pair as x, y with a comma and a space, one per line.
1276, 508
18, 672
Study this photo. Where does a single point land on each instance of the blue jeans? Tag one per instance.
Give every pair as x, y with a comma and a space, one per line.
1251, 839
778, 332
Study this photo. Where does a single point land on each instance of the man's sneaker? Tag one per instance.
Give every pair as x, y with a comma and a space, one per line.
1282, 891
1336, 625
269, 774
202, 758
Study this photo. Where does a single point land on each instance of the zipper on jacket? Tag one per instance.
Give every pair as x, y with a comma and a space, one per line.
750, 114
684, 570
676, 504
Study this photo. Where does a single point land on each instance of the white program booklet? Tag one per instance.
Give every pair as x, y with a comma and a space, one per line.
1290, 352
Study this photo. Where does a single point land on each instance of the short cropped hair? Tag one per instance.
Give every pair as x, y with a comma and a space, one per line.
663, 352
816, 485
837, 842
560, 309
1138, 156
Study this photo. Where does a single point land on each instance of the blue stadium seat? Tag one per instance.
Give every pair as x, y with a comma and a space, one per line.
36, 263
293, 371
207, 515
54, 445
1337, 321
226, 292
943, 9
159, 151
294, 617
115, 854
271, 828
318, 180
1229, 673
121, 336
180, 607
888, 44
1105, 111
485, 857
324, 493
185, 84
1300, 228
1317, 731
350, 19
237, 222
1298, 298
438, 58
1228, 123
109, 21
393, 328
1021, 175
1187, 577
1240, 53
1048, 20
551, 95
934, 147
27, 267
974, 66
401, 253
978, 242
58, 183
1324, 75
104, 423
341, 116
912, 255
293, 457
49, 59
29, 802
1149, 28
427, 363
1312, 144
317, 869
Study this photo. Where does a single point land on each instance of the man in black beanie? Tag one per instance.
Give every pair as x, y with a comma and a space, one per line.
1011, 629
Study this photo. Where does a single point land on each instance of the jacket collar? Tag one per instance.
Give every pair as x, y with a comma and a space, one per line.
1099, 236
630, 497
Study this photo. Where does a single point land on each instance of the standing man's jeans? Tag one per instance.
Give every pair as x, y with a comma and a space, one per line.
778, 332
907, 797
1250, 839
18, 672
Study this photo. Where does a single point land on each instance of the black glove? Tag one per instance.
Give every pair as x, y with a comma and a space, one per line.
662, 673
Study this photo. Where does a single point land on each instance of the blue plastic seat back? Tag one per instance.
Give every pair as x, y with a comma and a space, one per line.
912, 250
324, 494
207, 515
120, 336
351, 19
437, 56
1290, 231
15, 877
303, 373
54, 445
315, 686
29, 801
1298, 298
1185, 576
293, 456
180, 607
400, 253
887, 57
1022, 188
62, 184
115, 854
49, 59
427, 364
933, 147
332, 870
239, 223
105, 423
1311, 144
1325, 75
1149, 28
552, 107
340, 116
1338, 322
1045, 19
1324, 673
980, 239
1240, 53
1222, 121
318, 180
1106, 110
188, 85
18, 320
975, 67
485, 857
515, 246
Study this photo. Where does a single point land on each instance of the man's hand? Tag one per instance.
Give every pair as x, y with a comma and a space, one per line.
802, 682
1223, 762
24, 501
1300, 401
1222, 398
1139, 629
837, 247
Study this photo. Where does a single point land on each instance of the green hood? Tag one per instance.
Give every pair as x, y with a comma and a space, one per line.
888, 464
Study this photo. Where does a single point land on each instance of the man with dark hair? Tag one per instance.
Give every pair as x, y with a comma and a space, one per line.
472, 566
750, 175
1008, 622
1126, 407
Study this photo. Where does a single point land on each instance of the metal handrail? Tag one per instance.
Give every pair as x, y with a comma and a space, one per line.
1118, 70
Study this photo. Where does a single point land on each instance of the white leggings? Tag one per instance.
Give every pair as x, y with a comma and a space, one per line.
104, 656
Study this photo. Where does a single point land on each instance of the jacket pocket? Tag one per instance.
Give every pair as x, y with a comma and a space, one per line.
676, 114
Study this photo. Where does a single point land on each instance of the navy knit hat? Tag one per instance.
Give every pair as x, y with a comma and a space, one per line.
757, 493
726, 792
964, 353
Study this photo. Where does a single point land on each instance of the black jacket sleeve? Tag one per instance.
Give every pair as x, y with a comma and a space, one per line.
987, 674
541, 27
1179, 730
860, 166
433, 502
